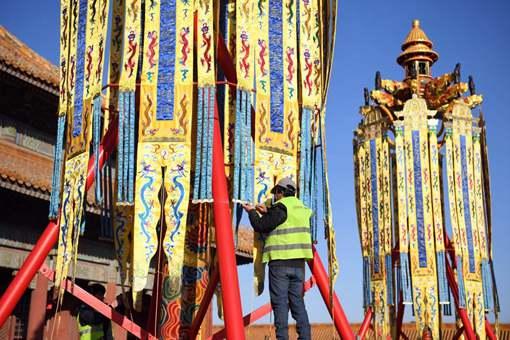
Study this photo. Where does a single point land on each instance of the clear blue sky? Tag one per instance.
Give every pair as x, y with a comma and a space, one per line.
369, 35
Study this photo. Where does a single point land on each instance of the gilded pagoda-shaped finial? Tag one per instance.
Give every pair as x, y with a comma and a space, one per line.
417, 54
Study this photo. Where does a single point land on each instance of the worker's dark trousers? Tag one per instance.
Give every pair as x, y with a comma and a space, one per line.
286, 290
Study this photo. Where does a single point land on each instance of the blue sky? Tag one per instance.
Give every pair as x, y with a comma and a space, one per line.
369, 35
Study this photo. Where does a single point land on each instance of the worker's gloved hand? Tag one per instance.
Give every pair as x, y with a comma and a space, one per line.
248, 207
261, 208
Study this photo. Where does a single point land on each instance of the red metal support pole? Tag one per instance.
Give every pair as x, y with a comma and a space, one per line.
48, 239
468, 330
336, 311
27, 271
225, 240
455, 290
204, 304
37, 312
365, 325
489, 331
258, 313
400, 316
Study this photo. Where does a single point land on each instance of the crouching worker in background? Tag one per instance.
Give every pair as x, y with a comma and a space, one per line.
91, 324
287, 246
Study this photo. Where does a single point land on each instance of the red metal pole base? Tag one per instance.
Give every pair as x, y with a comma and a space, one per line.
336, 311
365, 325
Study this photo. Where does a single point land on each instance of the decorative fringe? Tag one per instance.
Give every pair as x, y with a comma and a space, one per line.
405, 279
488, 296
131, 149
367, 298
460, 283
120, 150
444, 293
57, 169
198, 157
243, 150
497, 307
314, 187
202, 188
96, 140
447, 308
305, 162
126, 148
107, 204
389, 280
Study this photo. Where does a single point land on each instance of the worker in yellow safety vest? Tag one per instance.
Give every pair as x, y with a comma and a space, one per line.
287, 246
91, 324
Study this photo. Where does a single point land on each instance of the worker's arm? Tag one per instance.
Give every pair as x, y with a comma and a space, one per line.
267, 222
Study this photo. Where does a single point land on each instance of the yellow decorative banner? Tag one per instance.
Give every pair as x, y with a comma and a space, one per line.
419, 211
71, 215
461, 157
65, 33
206, 60
131, 40
276, 114
310, 50
245, 44
115, 62
79, 133
164, 138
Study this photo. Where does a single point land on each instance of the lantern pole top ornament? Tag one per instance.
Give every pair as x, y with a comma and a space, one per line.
417, 47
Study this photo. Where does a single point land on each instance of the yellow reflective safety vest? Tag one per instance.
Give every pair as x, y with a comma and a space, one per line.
291, 239
90, 332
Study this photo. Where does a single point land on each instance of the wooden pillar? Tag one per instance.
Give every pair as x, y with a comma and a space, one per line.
118, 332
207, 325
37, 312
63, 325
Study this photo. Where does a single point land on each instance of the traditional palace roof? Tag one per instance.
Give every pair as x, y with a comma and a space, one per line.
25, 171
244, 248
417, 46
19, 60
26, 153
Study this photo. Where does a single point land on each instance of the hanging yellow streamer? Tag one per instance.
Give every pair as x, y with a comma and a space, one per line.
206, 69
79, 131
131, 41
164, 145
115, 61
245, 44
421, 234
65, 33
466, 208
